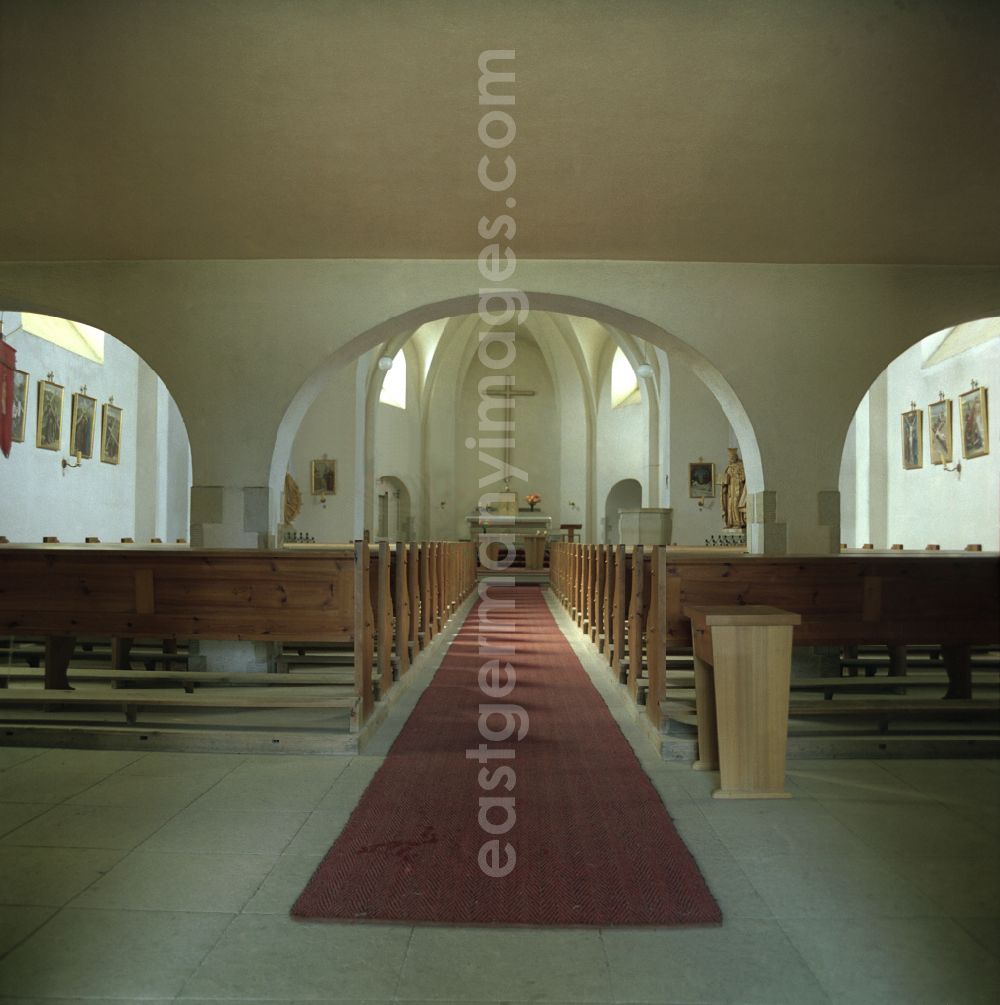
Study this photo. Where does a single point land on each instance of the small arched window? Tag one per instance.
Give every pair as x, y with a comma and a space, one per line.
394, 386
624, 382
73, 336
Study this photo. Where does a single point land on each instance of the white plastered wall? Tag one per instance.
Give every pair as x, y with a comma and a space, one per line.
397, 450
622, 447
328, 429
699, 430
536, 446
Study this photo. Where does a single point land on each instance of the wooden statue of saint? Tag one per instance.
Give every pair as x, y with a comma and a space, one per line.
734, 492
293, 499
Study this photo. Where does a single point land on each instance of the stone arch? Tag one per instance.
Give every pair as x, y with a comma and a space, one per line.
394, 331
624, 494
396, 522
948, 498
144, 490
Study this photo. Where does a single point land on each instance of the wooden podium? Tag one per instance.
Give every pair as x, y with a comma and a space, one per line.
534, 550
742, 673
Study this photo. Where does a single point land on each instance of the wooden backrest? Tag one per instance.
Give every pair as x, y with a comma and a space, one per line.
232, 594
849, 598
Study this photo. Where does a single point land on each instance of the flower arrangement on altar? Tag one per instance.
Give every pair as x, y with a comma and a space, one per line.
532, 499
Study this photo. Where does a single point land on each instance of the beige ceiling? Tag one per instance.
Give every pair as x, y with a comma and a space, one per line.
715, 130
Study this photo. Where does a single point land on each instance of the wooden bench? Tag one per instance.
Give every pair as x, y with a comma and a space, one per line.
187, 680
166, 593
303, 657
130, 701
109, 652
348, 598
883, 713
897, 599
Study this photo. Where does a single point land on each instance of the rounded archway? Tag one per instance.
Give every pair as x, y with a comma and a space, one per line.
395, 522
645, 345
99, 447
919, 464
625, 494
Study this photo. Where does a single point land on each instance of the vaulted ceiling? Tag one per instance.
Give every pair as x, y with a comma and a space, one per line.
858, 131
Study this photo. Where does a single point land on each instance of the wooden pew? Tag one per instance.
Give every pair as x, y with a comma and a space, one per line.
597, 626
156, 592
111, 652
621, 593
427, 616
187, 680
131, 701
891, 600
413, 595
888, 599
331, 596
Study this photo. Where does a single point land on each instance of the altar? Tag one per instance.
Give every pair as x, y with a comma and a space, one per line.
530, 531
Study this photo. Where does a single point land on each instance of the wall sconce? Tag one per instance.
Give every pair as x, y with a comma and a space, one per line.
957, 468
385, 363
68, 464
644, 370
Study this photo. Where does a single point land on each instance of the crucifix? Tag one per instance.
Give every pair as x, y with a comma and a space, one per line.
508, 391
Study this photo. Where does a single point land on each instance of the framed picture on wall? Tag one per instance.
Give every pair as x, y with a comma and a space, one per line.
913, 439
19, 415
83, 418
701, 480
48, 428
323, 477
974, 416
939, 431
111, 433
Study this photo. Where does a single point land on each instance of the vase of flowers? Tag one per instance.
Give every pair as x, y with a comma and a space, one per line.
532, 499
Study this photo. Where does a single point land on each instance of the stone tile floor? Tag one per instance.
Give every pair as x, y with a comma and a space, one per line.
159, 877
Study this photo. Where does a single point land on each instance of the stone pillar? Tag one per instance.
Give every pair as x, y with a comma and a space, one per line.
828, 505
816, 523
878, 462
765, 536
230, 517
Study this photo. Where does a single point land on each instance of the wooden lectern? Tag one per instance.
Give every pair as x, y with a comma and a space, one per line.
742, 672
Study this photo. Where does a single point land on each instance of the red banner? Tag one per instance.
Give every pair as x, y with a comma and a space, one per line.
7, 357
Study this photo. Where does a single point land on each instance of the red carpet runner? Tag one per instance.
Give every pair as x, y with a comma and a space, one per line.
593, 843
